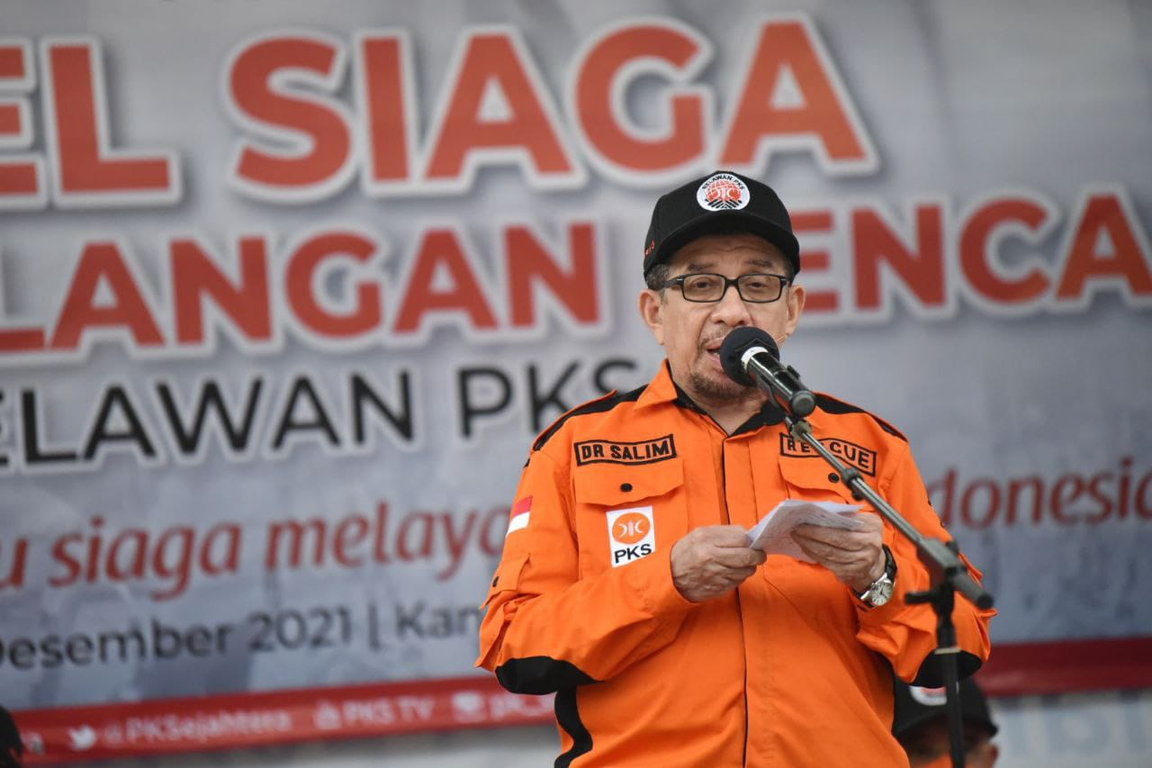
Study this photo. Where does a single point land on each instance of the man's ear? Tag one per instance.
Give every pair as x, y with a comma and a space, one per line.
652, 312
795, 298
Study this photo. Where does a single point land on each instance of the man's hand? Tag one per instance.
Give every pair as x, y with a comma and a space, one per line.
856, 558
713, 560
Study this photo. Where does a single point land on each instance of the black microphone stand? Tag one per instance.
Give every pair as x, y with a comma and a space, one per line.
948, 574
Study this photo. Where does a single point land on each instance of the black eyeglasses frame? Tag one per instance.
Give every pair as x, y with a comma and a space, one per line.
729, 282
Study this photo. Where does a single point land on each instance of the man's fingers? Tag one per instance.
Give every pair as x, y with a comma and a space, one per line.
738, 557
838, 537
825, 554
828, 550
712, 560
721, 535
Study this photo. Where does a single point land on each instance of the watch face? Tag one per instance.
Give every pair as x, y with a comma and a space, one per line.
881, 591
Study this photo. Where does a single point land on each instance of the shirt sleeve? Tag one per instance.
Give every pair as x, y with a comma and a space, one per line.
545, 628
906, 634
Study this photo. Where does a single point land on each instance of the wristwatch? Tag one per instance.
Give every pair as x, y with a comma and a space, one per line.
880, 591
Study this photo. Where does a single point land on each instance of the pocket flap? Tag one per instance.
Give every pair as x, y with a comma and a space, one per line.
616, 485
814, 476
507, 576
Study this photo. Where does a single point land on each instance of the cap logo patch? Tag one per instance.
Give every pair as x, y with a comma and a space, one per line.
929, 697
723, 192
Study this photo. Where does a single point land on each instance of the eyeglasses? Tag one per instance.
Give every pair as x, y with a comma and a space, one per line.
707, 287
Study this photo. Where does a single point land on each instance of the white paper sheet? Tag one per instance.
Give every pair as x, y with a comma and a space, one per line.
773, 533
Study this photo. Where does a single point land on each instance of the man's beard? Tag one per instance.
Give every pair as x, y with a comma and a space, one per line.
713, 390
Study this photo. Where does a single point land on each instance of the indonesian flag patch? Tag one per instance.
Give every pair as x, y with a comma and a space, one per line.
520, 512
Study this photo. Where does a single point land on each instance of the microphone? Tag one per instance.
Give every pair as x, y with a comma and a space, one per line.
750, 357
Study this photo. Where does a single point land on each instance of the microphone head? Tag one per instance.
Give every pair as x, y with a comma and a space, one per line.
736, 344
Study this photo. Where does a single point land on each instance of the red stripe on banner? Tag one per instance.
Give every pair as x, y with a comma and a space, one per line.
1062, 666
254, 719
522, 506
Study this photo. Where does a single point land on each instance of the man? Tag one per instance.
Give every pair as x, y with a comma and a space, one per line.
627, 585
921, 726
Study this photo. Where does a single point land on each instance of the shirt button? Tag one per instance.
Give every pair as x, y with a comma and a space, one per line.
626, 487
833, 477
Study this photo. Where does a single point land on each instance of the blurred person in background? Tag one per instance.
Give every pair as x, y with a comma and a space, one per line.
11, 746
920, 725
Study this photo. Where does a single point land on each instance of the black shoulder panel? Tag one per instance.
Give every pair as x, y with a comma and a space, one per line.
539, 675
605, 403
832, 405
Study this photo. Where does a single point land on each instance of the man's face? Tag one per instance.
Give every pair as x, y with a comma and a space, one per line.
928, 746
692, 332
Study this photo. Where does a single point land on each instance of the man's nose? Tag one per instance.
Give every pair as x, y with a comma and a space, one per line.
731, 309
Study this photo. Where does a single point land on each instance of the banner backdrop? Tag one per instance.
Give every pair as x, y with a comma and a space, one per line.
287, 288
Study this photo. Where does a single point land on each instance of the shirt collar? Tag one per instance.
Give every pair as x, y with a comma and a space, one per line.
662, 389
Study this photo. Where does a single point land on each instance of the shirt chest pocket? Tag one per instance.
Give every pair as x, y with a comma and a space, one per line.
812, 479
811, 590
627, 512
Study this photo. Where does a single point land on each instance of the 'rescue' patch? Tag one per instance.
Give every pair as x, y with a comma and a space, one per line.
723, 192
631, 534
864, 459
640, 452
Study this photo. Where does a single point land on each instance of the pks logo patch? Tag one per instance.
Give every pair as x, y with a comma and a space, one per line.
864, 459
631, 535
639, 452
723, 192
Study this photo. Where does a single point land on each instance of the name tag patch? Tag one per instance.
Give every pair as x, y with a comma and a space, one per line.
631, 534
864, 459
640, 452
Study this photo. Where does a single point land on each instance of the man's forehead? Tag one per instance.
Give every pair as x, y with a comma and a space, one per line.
713, 250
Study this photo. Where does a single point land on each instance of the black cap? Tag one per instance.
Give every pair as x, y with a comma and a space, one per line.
916, 706
722, 201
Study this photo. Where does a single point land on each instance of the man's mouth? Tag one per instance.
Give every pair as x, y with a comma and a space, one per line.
712, 348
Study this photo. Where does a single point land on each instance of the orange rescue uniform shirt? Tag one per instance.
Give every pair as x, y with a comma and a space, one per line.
790, 669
